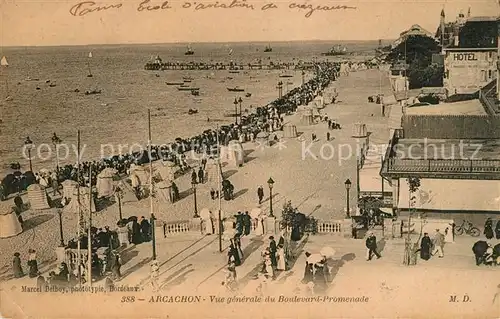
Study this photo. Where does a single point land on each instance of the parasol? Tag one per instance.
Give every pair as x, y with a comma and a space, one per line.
327, 252
315, 258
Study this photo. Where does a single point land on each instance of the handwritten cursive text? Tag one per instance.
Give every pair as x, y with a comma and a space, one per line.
310, 9
218, 5
86, 7
144, 6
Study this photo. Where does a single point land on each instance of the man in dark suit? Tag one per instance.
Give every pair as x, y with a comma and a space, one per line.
260, 194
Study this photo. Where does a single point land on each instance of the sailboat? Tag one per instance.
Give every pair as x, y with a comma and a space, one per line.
4, 64
189, 51
268, 48
88, 64
230, 51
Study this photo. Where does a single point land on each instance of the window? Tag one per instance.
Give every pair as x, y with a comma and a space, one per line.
483, 76
489, 74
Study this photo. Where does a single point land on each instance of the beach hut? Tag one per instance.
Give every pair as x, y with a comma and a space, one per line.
235, 154
307, 117
69, 187
164, 189
38, 197
214, 174
359, 130
289, 131
140, 174
262, 138
9, 223
105, 182
72, 207
128, 194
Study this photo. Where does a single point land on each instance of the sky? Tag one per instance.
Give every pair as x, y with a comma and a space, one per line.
49, 22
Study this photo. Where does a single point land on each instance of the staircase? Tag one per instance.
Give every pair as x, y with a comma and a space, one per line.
488, 98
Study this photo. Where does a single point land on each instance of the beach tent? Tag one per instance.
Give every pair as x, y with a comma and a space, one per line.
235, 154
289, 131
307, 117
262, 138
72, 207
140, 174
128, 194
37, 197
69, 187
105, 182
165, 169
163, 189
9, 223
359, 130
214, 174
319, 102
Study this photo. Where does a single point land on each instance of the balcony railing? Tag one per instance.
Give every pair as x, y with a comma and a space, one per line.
443, 166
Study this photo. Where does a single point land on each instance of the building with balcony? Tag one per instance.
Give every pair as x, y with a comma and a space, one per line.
456, 157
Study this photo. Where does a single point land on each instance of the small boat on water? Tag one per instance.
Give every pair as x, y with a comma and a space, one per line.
236, 89
286, 76
268, 48
192, 111
248, 95
336, 50
187, 81
195, 92
236, 72
174, 83
88, 65
52, 85
31, 79
92, 92
187, 88
189, 51
187, 78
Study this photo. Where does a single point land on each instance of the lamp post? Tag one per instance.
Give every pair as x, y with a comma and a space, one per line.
28, 144
270, 183
61, 244
235, 111
56, 141
240, 100
303, 77
347, 184
193, 184
119, 195
280, 88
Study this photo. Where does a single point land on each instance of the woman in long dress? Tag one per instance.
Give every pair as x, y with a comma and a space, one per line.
16, 266
259, 230
32, 264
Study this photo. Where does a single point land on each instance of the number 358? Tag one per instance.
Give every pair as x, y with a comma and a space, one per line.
128, 299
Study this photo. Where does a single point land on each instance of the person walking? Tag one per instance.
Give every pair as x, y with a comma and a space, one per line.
425, 247
16, 266
438, 242
260, 193
32, 264
371, 245
201, 175
488, 228
497, 230
327, 136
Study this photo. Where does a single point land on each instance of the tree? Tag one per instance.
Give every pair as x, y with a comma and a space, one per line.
410, 256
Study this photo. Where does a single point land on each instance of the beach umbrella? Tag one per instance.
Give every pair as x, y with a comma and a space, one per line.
327, 252
315, 258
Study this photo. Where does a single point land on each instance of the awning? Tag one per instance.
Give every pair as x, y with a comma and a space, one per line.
453, 195
369, 175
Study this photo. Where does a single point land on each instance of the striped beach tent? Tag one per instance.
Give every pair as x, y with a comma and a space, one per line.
9, 223
37, 197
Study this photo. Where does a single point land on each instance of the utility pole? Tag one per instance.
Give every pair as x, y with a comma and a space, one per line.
151, 187
79, 225
219, 190
89, 253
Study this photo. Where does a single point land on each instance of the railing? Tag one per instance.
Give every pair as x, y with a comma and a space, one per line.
330, 227
389, 152
179, 227
443, 166
488, 99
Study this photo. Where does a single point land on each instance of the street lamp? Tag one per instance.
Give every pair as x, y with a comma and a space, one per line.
28, 144
270, 183
193, 184
347, 184
59, 211
119, 195
56, 141
235, 111
280, 88
240, 100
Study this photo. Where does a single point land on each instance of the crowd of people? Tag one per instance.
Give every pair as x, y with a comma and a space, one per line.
266, 118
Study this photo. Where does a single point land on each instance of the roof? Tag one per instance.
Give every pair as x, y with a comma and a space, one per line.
494, 49
453, 195
369, 175
472, 107
483, 18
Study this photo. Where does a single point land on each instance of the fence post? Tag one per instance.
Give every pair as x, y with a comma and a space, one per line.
470, 166
429, 165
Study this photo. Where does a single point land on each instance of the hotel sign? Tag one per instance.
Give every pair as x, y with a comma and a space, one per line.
464, 57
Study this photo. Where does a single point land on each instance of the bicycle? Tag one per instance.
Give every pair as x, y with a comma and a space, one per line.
468, 228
